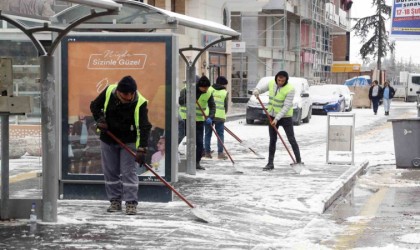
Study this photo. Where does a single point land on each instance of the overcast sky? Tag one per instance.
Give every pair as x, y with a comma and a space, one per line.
404, 49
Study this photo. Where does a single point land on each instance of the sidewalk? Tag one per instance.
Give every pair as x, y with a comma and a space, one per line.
243, 224
255, 210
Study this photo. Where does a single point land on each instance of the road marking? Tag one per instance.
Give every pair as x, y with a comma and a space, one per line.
23, 176
353, 232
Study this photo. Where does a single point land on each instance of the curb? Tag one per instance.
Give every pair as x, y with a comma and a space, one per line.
342, 185
235, 116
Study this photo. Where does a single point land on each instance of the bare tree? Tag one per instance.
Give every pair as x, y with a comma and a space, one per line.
377, 44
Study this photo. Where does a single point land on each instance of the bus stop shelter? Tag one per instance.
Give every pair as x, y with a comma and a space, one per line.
88, 16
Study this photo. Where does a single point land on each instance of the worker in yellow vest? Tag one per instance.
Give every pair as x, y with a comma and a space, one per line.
182, 112
122, 110
221, 97
280, 108
205, 99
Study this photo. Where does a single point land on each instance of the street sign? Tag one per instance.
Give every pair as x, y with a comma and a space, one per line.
340, 138
238, 47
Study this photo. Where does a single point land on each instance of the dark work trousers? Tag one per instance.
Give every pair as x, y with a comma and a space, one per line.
119, 168
199, 140
182, 130
287, 124
375, 103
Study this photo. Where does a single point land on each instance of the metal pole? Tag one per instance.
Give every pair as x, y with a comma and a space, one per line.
50, 140
353, 134
4, 214
241, 91
283, 62
328, 137
191, 135
191, 107
297, 54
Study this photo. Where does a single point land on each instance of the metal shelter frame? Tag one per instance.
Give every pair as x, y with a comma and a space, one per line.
191, 98
87, 15
49, 110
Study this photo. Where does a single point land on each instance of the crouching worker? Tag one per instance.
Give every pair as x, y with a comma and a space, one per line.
280, 109
122, 110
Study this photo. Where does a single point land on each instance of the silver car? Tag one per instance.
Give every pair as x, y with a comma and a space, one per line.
302, 110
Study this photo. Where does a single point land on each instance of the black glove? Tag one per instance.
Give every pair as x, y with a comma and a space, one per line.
102, 125
141, 155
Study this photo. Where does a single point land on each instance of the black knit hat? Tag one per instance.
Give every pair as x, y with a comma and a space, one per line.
221, 80
127, 85
282, 73
203, 82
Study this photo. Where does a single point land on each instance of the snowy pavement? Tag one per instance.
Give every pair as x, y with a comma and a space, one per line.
277, 209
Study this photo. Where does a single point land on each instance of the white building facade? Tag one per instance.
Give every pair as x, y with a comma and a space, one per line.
298, 36
302, 37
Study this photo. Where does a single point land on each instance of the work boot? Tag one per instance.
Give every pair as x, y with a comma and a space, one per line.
114, 207
130, 208
222, 156
203, 152
207, 155
199, 167
269, 166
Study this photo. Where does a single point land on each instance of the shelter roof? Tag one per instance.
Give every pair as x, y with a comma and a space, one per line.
137, 16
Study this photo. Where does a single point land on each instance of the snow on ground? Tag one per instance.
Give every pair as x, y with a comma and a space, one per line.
256, 210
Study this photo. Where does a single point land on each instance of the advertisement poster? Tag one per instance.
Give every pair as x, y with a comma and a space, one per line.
90, 64
405, 23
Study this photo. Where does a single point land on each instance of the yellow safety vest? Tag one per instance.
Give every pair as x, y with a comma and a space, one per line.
203, 100
140, 101
276, 101
219, 98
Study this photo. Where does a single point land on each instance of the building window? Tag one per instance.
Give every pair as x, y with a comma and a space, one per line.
178, 6
235, 21
26, 71
217, 66
173, 5
225, 17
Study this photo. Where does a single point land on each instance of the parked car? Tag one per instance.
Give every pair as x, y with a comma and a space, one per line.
348, 96
328, 98
302, 111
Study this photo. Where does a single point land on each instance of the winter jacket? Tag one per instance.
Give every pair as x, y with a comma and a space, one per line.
380, 92
391, 92
120, 119
182, 101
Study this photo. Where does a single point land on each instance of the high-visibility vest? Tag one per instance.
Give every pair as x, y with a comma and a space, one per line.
276, 101
140, 101
203, 100
219, 98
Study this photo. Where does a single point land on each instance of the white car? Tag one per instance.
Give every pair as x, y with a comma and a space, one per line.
302, 111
